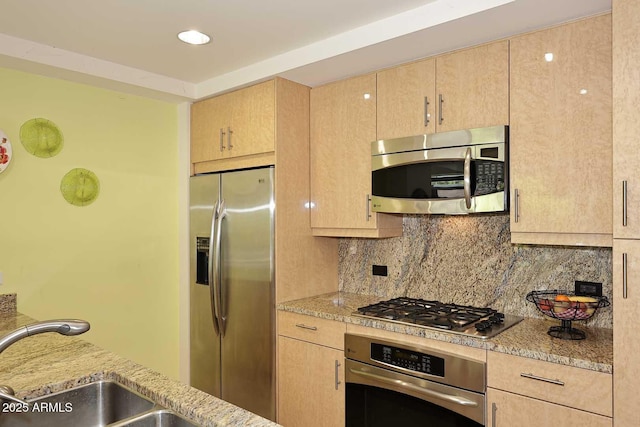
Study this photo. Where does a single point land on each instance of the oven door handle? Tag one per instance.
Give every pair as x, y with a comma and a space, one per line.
421, 390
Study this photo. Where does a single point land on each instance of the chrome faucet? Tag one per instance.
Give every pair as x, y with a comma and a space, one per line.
64, 327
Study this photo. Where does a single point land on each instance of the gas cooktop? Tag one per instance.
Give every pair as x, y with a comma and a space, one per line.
454, 318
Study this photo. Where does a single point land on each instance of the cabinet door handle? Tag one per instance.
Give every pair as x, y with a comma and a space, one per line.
440, 115
303, 326
337, 374
221, 139
624, 203
543, 379
624, 275
494, 409
516, 205
426, 111
368, 208
229, 132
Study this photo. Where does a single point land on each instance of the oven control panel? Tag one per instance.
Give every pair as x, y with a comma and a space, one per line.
416, 361
408, 359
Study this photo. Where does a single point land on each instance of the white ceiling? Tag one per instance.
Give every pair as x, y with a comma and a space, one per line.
131, 45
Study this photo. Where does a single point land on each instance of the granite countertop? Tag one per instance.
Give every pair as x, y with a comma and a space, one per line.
528, 338
47, 363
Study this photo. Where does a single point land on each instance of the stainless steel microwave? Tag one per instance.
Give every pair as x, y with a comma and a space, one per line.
458, 172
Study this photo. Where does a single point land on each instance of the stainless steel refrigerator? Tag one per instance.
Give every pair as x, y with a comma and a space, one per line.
232, 288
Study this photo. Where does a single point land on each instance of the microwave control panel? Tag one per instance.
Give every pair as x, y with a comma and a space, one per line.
489, 177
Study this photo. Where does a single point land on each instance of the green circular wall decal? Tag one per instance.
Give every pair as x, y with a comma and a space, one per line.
80, 187
41, 137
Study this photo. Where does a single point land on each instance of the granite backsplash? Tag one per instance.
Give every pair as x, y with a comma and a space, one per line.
470, 260
8, 303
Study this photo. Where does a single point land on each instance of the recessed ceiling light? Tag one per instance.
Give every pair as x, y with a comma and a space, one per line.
194, 37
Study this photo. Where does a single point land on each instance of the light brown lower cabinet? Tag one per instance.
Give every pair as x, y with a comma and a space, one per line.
310, 384
626, 347
512, 410
310, 371
526, 392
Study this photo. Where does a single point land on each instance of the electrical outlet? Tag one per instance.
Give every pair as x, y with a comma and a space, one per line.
1, 278
589, 289
379, 270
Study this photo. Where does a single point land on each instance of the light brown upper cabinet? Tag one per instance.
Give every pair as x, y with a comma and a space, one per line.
473, 87
343, 126
461, 90
626, 129
235, 124
252, 121
209, 120
560, 135
406, 100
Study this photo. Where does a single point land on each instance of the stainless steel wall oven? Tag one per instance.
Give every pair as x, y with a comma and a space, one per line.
393, 384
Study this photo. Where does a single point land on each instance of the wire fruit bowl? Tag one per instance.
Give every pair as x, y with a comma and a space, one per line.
566, 307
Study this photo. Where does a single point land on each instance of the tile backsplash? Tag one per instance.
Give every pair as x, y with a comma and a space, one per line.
470, 260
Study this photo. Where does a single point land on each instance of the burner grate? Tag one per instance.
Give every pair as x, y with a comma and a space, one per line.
427, 313
457, 319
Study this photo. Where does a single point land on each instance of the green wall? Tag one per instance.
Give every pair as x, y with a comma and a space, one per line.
114, 262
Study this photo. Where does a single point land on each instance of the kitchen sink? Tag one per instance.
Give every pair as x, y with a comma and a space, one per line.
97, 404
159, 418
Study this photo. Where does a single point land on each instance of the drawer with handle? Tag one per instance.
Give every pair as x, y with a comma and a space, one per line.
565, 385
325, 332
509, 410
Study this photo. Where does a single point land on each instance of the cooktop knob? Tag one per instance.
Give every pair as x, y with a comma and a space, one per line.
483, 325
496, 318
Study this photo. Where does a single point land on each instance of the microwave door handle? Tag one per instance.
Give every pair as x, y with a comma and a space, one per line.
211, 268
467, 178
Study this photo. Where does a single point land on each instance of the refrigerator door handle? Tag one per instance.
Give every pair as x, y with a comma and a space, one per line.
216, 290
213, 253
